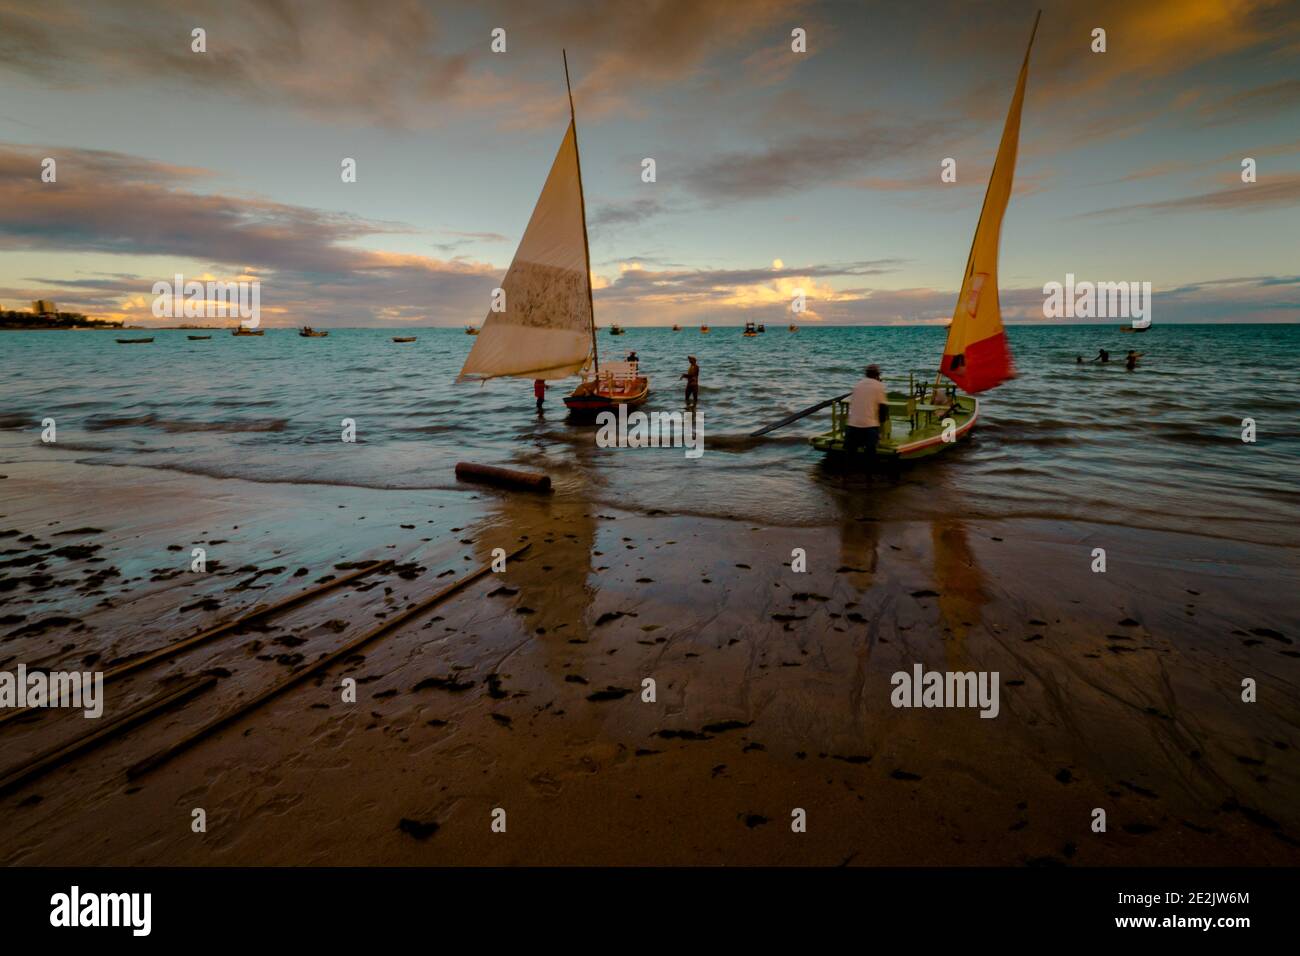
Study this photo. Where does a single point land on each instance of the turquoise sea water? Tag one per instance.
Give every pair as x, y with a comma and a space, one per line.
1159, 447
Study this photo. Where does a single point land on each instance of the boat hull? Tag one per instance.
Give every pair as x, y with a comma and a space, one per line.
905, 441
592, 403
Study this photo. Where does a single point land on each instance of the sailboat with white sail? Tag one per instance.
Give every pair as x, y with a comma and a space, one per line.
931, 417
547, 328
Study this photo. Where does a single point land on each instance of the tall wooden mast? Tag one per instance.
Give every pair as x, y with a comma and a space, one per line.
582, 204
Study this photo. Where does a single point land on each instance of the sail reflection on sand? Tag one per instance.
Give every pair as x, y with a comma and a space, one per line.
960, 585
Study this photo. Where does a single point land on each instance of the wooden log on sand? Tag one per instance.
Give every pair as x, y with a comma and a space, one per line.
504, 477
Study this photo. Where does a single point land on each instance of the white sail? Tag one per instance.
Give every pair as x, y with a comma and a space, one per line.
544, 331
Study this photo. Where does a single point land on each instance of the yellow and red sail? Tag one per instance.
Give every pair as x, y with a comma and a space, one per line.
976, 355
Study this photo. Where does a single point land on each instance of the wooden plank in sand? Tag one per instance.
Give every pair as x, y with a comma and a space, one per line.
505, 477
169, 650
162, 756
104, 730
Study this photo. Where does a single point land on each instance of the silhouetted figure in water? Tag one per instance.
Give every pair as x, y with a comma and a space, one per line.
868, 410
1131, 360
539, 392
632, 356
692, 377
1078, 360
1102, 356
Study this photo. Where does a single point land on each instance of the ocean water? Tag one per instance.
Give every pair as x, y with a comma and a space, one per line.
1159, 447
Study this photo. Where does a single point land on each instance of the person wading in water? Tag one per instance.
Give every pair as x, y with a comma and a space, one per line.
868, 407
692, 377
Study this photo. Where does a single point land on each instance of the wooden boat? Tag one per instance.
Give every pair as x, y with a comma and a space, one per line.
134, 341
704, 330
916, 424
927, 419
243, 331
677, 328
761, 328
307, 332
548, 330
403, 338
793, 328
615, 330
470, 330
750, 331
198, 338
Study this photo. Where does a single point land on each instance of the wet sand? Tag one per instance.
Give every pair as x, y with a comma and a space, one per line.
1119, 690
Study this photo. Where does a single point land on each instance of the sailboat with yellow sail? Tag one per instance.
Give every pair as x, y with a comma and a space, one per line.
547, 328
931, 417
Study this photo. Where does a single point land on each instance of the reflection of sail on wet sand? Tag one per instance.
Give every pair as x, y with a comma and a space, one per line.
960, 585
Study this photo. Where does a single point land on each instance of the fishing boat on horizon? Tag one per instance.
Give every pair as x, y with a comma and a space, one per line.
792, 328
1139, 325
198, 338
403, 338
927, 418
615, 330
240, 330
677, 328
471, 330
750, 331
307, 332
704, 330
548, 329
134, 341
761, 328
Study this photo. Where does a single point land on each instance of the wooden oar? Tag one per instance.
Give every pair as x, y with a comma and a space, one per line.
797, 415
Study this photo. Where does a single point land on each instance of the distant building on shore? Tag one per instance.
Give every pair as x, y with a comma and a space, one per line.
44, 307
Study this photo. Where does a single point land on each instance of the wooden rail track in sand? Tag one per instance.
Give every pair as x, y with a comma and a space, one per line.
142, 713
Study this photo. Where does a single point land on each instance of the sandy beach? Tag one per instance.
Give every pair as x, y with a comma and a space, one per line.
1119, 690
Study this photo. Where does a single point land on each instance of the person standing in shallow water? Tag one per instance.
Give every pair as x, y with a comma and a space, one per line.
539, 392
692, 377
868, 408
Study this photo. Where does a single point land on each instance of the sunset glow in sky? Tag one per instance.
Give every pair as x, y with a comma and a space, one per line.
776, 171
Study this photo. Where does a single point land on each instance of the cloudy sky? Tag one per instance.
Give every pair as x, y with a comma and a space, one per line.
776, 170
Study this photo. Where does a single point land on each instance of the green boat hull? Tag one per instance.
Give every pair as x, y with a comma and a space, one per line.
914, 430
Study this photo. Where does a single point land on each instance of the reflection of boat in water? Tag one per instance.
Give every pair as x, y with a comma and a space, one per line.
548, 330
928, 419
750, 331
134, 341
243, 331
403, 338
307, 332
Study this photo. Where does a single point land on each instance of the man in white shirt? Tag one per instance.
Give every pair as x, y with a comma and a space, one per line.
868, 407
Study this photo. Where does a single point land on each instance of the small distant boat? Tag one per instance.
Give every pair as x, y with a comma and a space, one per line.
307, 332
470, 330
615, 330
793, 327
677, 328
750, 331
198, 338
403, 338
134, 341
761, 328
243, 331
704, 330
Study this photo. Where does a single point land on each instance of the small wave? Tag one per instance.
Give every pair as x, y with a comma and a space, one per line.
184, 426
